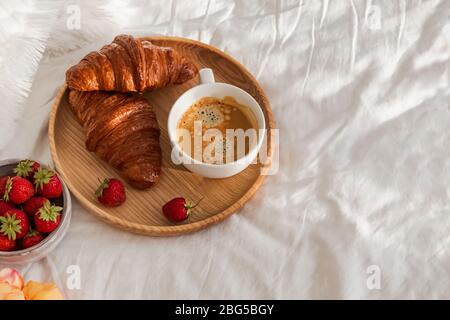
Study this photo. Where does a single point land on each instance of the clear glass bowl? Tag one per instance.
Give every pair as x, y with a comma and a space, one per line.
42, 249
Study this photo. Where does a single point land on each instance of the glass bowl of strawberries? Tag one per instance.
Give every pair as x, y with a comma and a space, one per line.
35, 211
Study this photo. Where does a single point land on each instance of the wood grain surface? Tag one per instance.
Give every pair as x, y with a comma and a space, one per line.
141, 213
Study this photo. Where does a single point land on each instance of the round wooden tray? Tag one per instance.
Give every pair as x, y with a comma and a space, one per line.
141, 213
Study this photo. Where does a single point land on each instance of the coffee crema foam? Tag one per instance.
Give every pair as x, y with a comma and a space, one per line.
211, 124
211, 115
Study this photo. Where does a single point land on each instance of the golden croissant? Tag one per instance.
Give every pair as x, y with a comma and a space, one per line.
122, 130
130, 65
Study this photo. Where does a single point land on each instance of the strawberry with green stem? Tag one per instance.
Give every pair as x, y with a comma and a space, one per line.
47, 183
47, 218
32, 238
178, 209
111, 192
26, 169
18, 190
33, 205
14, 224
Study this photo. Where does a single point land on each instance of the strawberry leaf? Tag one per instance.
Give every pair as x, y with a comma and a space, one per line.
23, 168
8, 188
10, 226
103, 185
49, 212
32, 233
42, 177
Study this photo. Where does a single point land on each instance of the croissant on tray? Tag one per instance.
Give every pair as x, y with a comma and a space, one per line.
122, 130
130, 65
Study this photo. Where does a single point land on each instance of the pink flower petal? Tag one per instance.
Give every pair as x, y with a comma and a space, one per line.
12, 277
9, 292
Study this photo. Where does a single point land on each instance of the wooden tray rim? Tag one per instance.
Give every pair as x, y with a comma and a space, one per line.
175, 229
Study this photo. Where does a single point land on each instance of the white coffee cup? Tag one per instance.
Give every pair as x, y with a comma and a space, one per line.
209, 88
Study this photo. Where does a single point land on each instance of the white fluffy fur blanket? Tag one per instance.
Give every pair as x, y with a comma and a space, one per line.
27, 29
24, 31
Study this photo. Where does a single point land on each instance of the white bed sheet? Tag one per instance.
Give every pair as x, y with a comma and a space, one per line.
360, 91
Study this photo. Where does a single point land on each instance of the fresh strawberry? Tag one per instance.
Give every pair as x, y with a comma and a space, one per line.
32, 238
33, 205
6, 244
111, 192
14, 224
47, 183
178, 209
47, 218
5, 206
3, 181
26, 169
18, 190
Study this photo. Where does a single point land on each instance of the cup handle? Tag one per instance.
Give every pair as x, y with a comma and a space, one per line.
206, 76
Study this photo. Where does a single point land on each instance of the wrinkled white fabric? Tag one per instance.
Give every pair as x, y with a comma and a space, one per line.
360, 91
